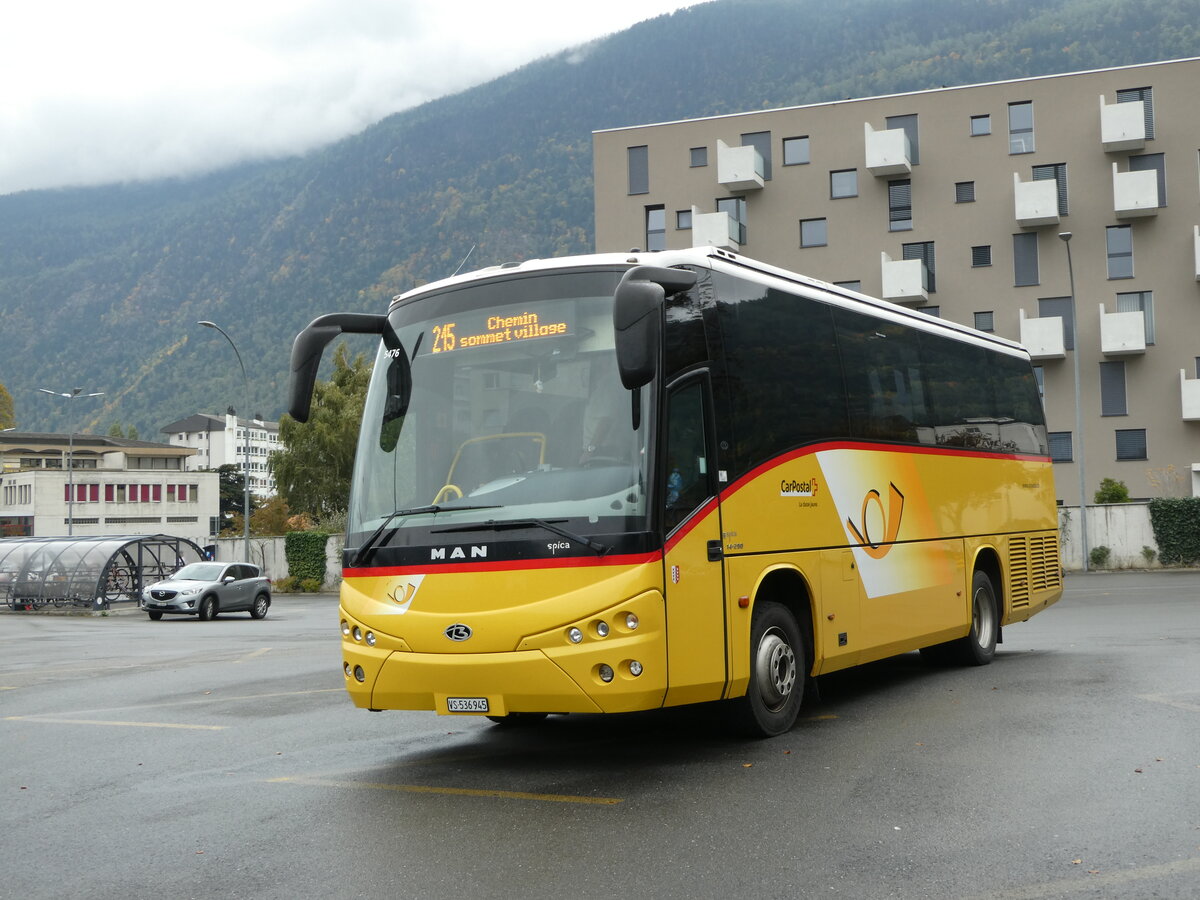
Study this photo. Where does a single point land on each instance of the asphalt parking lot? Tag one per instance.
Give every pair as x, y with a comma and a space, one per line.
222, 759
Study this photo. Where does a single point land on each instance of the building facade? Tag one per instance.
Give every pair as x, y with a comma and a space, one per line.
84, 484
1062, 212
220, 441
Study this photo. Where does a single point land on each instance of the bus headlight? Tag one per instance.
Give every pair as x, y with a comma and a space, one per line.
345, 627
602, 629
357, 633
370, 639
605, 672
574, 635
635, 668
631, 621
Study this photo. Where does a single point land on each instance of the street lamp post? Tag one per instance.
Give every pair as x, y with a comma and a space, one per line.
77, 392
246, 439
1065, 237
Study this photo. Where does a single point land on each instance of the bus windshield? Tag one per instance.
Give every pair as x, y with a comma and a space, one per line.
516, 412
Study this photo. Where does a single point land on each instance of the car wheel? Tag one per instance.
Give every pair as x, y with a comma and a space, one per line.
778, 672
259, 609
208, 609
154, 615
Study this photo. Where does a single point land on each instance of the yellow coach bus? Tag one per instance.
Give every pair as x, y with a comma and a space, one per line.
621, 482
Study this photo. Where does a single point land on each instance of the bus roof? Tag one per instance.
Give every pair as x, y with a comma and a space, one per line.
732, 263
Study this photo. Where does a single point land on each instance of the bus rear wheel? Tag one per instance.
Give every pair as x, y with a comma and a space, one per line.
778, 672
979, 646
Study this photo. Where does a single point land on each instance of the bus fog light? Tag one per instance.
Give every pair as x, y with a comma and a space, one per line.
602, 629
345, 627
346, 668
574, 635
631, 621
357, 633
359, 674
605, 672
635, 668
370, 639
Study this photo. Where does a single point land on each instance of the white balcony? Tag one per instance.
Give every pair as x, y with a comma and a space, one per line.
1035, 202
1122, 126
1196, 243
1189, 390
1043, 338
888, 152
1135, 193
716, 229
739, 169
1122, 333
904, 280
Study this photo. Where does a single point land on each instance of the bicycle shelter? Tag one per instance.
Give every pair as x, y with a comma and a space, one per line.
94, 571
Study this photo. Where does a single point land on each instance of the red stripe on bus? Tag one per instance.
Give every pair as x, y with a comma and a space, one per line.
507, 565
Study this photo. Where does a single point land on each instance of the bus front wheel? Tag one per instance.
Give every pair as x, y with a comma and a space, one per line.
778, 672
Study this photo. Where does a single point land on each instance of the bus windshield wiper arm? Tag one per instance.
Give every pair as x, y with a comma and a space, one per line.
551, 526
371, 542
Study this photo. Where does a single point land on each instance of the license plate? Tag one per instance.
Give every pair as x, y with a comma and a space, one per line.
467, 704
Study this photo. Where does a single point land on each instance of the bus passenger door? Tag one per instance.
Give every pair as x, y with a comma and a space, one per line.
693, 560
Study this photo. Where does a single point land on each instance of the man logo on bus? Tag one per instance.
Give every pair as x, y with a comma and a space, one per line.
890, 516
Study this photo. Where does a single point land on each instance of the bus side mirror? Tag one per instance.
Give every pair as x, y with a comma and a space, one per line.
637, 319
309, 344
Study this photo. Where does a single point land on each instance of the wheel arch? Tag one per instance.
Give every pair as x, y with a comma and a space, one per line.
987, 560
787, 586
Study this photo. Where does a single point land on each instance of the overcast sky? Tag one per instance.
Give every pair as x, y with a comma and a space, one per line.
96, 91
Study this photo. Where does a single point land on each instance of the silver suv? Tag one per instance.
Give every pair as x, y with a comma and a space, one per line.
205, 589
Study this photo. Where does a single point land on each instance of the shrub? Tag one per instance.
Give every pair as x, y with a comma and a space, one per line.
1112, 491
310, 585
1176, 523
1148, 554
284, 585
1099, 557
305, 552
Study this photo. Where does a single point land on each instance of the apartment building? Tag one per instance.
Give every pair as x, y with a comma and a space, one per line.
1062, 212
221, 440
85, 484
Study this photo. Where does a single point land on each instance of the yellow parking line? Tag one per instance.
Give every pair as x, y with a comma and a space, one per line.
459, 792
109, 722
252, 655
1097, 883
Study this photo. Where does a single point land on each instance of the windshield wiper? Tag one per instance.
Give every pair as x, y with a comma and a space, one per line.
551, 526
369, 544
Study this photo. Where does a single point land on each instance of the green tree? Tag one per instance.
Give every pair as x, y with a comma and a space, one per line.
231, 484
312, 471
8, 416
1112, 491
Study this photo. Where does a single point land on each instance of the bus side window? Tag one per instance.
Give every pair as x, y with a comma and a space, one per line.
688, 473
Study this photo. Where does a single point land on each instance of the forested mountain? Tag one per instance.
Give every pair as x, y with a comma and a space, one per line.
102, 287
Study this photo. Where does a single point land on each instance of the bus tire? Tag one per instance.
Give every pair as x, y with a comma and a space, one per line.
979, 646
778, 672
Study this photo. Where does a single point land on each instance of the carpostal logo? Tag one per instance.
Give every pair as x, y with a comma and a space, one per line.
792, 488
401, 591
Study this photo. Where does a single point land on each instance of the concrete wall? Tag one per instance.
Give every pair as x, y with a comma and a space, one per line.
1124, 528
269, 553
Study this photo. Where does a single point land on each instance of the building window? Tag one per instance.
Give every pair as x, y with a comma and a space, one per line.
1146, 97
857, 286
981, 256
699, 157
1112, 389
760, 141
964, 192
736, 208
1056, 172
1060, 446
907, 124
900, 205
639, 170
1025, 259
981, 125
795, 151
843, 183
985, 321
1039, 375
1139, 301
1152, 162
1060, 308
1131, 443
1020, 128
1119, 240
935, 311
683, 220
813, 233
656, 228
923, 251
